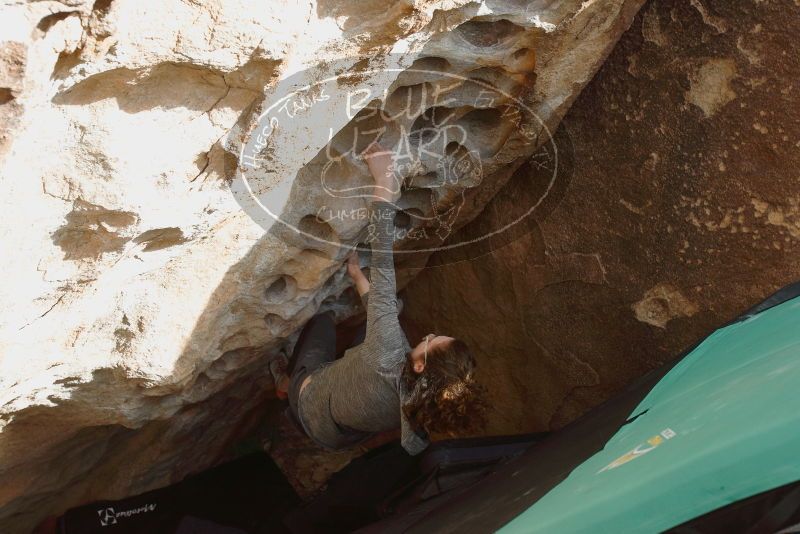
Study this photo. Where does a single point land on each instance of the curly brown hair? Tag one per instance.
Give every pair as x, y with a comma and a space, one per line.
445, 398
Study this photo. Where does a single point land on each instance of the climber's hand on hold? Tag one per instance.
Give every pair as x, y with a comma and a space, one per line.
353, 266
354, 270
381, 166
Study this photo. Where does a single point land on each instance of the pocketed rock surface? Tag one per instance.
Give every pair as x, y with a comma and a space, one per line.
140, 301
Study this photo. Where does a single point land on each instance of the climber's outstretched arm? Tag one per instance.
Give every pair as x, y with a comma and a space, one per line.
383, 327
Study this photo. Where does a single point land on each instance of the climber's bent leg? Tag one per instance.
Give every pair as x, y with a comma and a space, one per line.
315, 347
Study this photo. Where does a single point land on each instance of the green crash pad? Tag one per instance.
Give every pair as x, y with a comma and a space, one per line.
722, 425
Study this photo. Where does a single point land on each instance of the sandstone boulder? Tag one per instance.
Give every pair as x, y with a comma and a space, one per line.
142, 293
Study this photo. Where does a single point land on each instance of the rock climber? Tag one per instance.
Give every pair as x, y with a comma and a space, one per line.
381, 384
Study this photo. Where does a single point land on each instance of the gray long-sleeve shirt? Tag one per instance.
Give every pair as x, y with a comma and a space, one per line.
361, 393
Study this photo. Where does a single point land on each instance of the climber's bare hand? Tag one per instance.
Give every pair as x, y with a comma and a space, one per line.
354, 270
353, 267
381, 165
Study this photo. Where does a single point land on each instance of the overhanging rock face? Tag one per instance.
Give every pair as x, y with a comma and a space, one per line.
143, 287
682, 211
